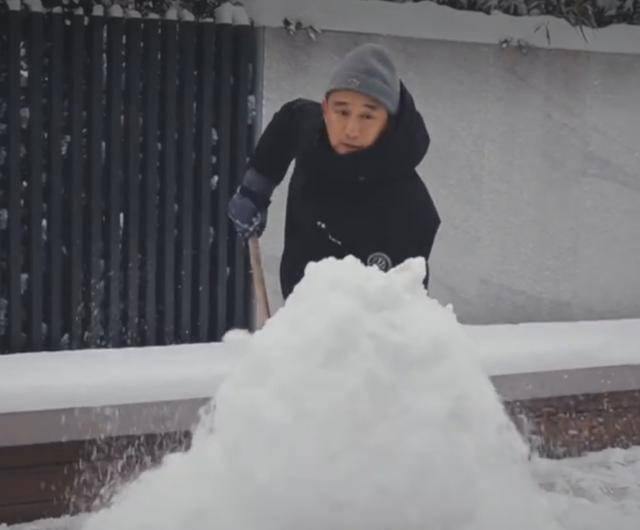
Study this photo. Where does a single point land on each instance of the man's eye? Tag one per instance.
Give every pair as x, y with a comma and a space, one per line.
343, 113
367, 116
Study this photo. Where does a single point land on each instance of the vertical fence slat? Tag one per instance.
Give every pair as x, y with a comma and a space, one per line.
150, 176
54, 221
184, 276
4, 193
168, 183
240, 131
203, 179
115, 29
95, 191
36, 209
223, 105
13, 167
132, 179
76, 219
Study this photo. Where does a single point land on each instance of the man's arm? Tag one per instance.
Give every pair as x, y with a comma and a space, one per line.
425, 222
278, 144
267, 167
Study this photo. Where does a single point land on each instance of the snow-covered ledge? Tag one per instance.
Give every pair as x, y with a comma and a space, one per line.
552, 359
549, 346
86, 394
429, 20
107, 377
80, 395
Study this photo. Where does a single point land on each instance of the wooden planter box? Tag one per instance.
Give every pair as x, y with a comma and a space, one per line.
57, 478
70, 461
567, 413
64, 462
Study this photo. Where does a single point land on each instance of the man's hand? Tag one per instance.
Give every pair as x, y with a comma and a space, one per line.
248, 217
248, 207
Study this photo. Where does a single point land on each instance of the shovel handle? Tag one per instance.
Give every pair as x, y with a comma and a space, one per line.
262, 311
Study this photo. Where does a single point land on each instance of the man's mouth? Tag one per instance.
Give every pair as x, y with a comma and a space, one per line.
350, 147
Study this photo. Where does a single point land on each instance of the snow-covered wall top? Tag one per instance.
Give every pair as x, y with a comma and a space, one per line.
432, 21
95, 378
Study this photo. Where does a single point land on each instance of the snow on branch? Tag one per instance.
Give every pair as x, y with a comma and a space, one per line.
196, 10
224, 13
116, 11
35, 6
578, 13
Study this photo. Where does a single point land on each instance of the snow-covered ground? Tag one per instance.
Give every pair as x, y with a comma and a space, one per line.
374, 413
600, 490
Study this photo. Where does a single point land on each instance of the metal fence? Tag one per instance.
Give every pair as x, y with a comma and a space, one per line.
120, 140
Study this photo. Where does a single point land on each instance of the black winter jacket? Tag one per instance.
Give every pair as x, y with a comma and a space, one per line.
371, 204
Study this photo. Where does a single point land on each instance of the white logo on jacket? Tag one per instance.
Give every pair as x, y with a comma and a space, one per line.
380, 260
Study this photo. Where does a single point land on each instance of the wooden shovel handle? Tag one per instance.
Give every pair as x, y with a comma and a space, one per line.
259, 287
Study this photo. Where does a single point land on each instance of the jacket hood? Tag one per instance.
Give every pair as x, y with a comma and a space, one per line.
406, 141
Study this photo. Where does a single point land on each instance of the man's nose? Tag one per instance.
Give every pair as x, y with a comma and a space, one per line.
352, 129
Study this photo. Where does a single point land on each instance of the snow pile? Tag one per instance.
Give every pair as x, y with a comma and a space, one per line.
357, 406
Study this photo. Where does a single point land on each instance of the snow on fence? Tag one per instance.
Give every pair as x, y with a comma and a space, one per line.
120, 140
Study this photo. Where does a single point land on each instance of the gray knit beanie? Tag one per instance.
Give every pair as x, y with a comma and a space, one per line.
368, 69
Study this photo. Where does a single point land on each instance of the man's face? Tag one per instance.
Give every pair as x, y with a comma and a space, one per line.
354, 121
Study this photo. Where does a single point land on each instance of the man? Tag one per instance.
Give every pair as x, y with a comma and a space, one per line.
354, 189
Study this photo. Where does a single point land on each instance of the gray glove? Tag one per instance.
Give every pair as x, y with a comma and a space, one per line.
248, 206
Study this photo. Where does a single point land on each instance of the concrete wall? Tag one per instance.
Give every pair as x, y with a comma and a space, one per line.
534, 166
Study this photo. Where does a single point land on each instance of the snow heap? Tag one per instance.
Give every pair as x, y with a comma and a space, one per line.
357, 407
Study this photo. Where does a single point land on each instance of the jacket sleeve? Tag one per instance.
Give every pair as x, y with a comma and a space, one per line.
425, 221
430, 230
277, 145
